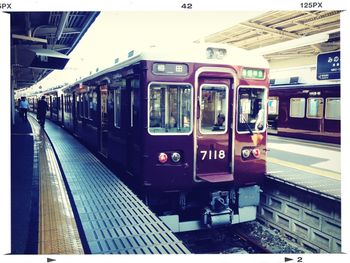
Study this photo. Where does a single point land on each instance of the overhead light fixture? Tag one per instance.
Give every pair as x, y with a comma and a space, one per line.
295, 43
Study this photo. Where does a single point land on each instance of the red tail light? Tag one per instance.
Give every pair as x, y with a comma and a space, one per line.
256, 153
162, 157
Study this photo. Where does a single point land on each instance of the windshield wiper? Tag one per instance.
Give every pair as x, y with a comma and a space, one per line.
246, 124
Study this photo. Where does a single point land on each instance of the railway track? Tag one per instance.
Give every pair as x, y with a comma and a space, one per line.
246, 238
220, 241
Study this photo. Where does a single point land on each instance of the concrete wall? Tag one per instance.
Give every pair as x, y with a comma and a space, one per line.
312, 221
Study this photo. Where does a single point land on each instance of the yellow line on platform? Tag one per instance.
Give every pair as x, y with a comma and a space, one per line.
305, 168
58, 232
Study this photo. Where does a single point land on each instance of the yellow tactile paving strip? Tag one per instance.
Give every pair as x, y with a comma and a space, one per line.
58, 233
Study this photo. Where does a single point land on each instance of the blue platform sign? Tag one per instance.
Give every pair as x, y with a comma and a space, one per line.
328, 66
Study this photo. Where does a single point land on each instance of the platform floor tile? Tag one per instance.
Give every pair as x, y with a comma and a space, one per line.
113, 218
58, 232
303, 179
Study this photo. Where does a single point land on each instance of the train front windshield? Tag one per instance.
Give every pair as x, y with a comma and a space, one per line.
170, 108
252, 109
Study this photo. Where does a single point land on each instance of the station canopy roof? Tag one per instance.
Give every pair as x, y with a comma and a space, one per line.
61, 32
42, 40
276, 27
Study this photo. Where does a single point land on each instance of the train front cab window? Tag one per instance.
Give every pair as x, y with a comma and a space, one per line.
252, 103
169, 108
213, 109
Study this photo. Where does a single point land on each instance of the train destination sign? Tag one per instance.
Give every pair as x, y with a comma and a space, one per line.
328, 66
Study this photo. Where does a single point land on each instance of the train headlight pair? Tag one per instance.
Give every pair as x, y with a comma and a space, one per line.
175, 157
246, 153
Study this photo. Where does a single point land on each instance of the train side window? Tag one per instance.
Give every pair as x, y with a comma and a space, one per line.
297, 108
252, 103
314, 108
86, 105
272, 106
332, 109
169, 108
93, 104
117, 108
64, 105
69, 103
90, 104
213, 109
80, 103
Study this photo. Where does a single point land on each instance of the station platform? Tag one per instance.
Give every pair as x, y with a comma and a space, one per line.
76, 205
311, 166
24, 189
66, 201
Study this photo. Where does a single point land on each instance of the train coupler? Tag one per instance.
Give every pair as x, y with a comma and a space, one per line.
218, 213
213, 219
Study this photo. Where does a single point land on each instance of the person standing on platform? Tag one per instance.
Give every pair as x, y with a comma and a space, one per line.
41, 111
23, 108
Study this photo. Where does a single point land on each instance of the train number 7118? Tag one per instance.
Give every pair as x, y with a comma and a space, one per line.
213, 154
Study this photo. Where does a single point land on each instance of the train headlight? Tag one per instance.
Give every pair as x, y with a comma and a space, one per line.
256, 153
245, 153
176, 157
161, 67
162, 157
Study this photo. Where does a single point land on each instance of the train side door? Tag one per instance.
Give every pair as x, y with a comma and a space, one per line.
104, 121
62, 104
133, 133
74, 114
214, 130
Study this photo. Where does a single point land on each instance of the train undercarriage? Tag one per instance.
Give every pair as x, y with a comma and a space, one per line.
215, 208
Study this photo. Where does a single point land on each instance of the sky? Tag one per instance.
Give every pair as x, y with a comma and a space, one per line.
114, 34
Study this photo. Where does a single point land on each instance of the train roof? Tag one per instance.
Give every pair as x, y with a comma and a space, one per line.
198, 52
302, 86
190, 53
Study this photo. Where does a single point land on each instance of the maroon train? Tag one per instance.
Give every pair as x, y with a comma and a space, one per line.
187, 124
303, 111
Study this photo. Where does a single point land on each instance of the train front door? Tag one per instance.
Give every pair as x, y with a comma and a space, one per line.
213, 139
104, 121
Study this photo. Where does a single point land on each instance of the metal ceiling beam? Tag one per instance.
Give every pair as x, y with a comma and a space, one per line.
296, 17
61, 26
277, 18
324, 14
278, 32
295, 43
51, 30
57, 47
270, 30
27, 29
254, 42
29, 38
